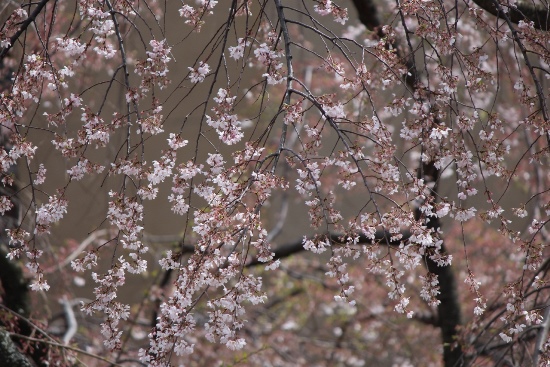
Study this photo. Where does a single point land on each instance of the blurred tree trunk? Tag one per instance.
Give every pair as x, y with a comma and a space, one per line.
10, 354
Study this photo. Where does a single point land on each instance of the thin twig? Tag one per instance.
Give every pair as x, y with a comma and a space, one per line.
74, 349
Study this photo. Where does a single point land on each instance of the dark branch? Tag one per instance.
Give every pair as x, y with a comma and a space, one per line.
523, 11
540, 17
294, 248
23, 28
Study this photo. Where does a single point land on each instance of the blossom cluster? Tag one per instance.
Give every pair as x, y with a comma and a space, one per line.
227, 125
325, 7
377, 138
194, 15
154, 70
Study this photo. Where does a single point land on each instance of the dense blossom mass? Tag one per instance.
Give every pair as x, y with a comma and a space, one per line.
395, 130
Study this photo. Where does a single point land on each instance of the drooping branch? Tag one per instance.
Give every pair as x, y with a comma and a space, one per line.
538, 86
23, 28
12, 279
449, 311
290, 72
449, 315
522, 11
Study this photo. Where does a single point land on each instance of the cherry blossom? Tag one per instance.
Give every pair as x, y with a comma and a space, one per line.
406, 153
